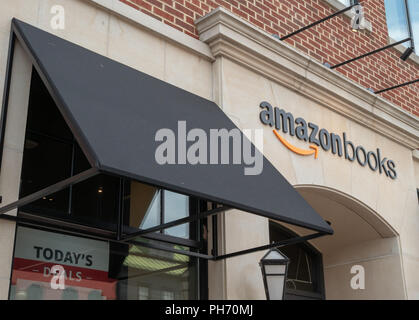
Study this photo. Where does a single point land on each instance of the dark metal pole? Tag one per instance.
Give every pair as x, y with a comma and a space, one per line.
272, 245
369, 53
73, 161
78, 232
214, 232
161, 271
171, 249
397, 86
120, 209
60, 226
49, 190
162, 207
409, 25
318, 22
200, 215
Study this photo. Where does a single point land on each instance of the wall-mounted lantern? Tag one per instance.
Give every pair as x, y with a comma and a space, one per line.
274, 265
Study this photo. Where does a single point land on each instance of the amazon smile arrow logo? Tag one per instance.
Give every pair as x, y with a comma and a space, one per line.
302, 152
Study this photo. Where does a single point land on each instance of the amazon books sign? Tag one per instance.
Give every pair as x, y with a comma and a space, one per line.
280, 120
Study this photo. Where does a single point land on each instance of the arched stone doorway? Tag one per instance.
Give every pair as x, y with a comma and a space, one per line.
361, 238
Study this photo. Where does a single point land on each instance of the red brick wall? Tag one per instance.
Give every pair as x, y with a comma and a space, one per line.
331, 41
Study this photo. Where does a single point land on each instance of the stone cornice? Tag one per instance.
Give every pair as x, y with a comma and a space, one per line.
231, 37
162, 30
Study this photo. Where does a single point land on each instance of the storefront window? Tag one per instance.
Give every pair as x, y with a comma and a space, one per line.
52, 154
399, 13
154, 274
97, 270
148, 207
305, 270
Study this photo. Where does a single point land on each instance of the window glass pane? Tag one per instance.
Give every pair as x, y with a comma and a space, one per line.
43, 115
396, 19
95, 295
300, 269
48, 153
143, 293
304, 265
95, 201
80, 161
159, 275
143, 209
152, 214
98, 270
69, 294
176, 206
413, 6
34, 292
168, 295
45, 161
346, 2
141, 206
52, 155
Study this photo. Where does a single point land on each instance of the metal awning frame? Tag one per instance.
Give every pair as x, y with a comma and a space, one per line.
119, 236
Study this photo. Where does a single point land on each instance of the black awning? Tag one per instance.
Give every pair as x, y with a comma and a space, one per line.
115, 111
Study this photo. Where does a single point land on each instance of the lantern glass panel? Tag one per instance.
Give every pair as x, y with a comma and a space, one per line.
275, 287
274, 255
275, 269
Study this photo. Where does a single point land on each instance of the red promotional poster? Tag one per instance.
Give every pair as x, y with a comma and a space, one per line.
85, 264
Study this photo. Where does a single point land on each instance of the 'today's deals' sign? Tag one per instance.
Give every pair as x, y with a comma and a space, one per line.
37, 251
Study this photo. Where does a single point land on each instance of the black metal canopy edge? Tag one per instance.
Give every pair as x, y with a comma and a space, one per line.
72, 124
94, 160
88, 150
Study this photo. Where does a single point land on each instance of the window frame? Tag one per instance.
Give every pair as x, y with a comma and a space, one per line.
318, 270
65, 217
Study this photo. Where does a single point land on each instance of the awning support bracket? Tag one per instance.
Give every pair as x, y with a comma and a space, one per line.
88, 173
177, 222
129, 238
277, 244
49, 190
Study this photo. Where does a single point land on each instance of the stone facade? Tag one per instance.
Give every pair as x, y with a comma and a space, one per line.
238, 65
